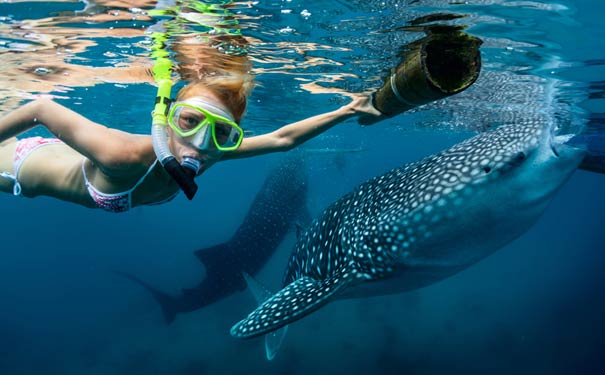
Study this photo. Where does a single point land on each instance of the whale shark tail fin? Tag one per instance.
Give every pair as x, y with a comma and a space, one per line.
273, 340
296, 300
168, 303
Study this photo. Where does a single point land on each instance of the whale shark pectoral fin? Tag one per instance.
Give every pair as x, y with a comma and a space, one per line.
296, 300
261, 294
273, 340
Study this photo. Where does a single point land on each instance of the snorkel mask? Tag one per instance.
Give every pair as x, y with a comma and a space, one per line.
203, 125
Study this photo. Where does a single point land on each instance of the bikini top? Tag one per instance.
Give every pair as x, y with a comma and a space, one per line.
118, 202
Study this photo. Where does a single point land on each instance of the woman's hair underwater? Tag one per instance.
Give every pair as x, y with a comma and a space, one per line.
231, 89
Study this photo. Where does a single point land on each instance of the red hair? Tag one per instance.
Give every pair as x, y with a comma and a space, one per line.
232, 90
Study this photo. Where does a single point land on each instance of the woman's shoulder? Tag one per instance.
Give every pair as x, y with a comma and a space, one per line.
135, 153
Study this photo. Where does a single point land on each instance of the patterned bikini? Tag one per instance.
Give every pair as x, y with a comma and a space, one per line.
118, 202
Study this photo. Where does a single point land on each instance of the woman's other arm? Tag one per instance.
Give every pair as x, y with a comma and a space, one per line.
292, 135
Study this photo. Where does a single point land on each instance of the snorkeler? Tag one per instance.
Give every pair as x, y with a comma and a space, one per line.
100, 167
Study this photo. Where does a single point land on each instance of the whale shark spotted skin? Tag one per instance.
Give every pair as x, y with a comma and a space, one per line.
422, 222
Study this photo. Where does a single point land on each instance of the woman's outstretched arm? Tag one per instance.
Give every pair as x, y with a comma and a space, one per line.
110, 149
292, 135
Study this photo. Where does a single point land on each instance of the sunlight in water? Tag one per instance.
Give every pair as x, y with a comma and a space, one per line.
299, 49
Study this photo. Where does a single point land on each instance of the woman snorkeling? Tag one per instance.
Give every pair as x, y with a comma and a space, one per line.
100, 167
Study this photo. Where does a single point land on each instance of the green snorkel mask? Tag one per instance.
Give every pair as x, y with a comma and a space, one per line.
203, 125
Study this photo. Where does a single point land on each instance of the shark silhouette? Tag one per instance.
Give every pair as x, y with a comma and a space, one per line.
277, 207
420, 223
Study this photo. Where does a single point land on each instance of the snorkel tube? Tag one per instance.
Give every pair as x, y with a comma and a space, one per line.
183, 174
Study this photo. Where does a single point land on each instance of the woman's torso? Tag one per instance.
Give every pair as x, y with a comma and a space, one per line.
56, 170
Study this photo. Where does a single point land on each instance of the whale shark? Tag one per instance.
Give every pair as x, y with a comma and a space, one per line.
420, 223
278, 207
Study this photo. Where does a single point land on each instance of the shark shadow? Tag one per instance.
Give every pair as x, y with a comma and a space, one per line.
278, 206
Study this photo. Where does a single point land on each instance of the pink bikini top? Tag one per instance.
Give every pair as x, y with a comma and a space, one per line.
118, 202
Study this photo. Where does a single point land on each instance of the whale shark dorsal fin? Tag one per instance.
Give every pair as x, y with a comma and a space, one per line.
297, 299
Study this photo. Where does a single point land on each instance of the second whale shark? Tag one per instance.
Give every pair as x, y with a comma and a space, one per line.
278, 206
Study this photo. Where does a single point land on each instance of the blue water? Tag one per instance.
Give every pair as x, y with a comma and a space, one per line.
533, 307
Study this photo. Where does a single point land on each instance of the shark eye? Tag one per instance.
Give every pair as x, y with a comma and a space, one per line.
487, 169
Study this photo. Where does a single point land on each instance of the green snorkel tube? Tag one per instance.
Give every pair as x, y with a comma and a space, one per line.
183, 174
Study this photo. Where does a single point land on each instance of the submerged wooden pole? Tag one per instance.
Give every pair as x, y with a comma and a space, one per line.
444, 63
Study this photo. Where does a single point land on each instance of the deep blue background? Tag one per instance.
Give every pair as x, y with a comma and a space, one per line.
534, 307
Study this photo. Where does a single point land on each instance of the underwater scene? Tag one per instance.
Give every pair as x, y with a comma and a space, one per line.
461, 232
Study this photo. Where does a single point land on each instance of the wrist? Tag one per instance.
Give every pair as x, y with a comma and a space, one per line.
347, 110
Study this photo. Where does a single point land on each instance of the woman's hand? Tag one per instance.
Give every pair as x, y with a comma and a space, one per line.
362, 106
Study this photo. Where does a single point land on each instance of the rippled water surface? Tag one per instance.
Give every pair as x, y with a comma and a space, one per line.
83, 51
534, 307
